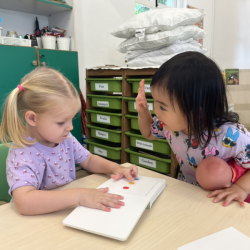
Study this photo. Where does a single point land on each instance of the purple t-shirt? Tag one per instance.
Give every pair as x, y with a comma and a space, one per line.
44, 167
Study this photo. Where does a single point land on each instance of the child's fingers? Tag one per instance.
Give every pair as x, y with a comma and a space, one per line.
134, 170
129, 176
103, 208
142, 87
104, 190
214, 193
228, 199
241, 202
142, 104
115, 177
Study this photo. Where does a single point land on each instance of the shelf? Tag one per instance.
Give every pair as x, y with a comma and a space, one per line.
38, 7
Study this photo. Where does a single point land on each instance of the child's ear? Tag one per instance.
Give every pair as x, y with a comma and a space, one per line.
31, 118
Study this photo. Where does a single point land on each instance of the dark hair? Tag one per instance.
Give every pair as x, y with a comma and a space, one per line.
197, 85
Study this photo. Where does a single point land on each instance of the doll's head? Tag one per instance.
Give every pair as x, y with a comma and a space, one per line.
214, 173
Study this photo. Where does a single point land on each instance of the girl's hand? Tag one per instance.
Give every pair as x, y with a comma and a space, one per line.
100, 199
141, 102
129, 173
232, 193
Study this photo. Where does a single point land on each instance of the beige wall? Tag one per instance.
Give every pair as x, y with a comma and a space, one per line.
240, 96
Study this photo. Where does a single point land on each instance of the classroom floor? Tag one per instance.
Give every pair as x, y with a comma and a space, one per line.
80, 173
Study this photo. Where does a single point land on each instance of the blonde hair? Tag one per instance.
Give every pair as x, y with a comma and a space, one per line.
41, 89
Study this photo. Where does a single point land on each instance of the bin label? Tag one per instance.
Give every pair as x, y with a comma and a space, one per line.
144, 144
102, 134
147, 88
102, 86
103, 118
102, 104
147, 162
150, 106
100, 151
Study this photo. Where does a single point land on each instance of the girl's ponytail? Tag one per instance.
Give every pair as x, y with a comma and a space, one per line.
12, 127
40, 92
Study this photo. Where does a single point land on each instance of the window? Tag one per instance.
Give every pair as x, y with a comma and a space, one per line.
139, 8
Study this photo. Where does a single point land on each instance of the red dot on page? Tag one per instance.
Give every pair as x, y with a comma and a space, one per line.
125, 187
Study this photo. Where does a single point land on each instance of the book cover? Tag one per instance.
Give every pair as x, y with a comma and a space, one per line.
119, 223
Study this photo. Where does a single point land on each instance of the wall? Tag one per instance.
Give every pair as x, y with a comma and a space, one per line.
94, 20
232, 33
20, 22
207, 6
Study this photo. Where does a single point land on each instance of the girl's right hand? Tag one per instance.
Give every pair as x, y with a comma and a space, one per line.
100, 199
141, 102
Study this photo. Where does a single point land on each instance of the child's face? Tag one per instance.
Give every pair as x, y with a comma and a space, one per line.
53, 127
173, 120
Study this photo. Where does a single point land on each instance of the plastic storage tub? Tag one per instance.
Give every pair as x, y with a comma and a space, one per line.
148, 161
132, 104
136, 85
133, 121
96, 147
113, 119
104, 101
105, 84
159, 146
105, 133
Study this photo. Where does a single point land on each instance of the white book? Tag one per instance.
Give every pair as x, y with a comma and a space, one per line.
118, 223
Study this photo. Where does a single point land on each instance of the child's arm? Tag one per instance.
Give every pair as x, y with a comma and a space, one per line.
97, 164
144, 116
238, 191
30, 201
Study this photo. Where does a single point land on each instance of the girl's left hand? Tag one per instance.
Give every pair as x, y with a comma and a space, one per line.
129, 173
232, 193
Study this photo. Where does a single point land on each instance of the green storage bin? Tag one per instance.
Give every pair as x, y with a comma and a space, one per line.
105, 133
136, 85
159, 145
96, 147
148, 161
132, 104
108, 118
105, 101
134, 121
105, 84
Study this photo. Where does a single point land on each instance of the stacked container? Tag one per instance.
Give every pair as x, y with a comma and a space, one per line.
104, 111
112, 119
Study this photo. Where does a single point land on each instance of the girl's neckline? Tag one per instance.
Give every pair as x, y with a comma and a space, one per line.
46, 148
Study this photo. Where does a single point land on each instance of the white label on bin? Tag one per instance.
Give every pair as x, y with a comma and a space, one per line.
102, 104
102, 86
147, 162
150, 106
147, 88
100, 151
103, 118
144, 144
102, 134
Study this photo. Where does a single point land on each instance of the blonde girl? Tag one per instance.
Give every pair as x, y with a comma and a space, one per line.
36, 125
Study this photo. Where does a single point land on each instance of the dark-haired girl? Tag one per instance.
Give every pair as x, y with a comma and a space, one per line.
191, 104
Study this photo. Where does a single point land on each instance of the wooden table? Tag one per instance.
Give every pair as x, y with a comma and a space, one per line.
180, 215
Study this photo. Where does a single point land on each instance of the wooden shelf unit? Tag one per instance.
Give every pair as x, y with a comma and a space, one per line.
126, 92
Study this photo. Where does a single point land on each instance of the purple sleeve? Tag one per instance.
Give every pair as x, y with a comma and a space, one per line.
80, 153
21, 170
157, 128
